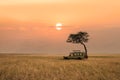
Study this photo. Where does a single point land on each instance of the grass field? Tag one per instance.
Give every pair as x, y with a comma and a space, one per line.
36, 67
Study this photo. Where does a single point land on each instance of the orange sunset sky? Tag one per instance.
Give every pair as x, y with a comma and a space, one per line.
28, 26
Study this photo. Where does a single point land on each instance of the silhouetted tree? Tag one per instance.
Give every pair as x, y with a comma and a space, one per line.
80, 37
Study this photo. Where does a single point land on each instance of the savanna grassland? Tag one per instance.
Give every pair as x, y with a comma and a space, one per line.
37, 67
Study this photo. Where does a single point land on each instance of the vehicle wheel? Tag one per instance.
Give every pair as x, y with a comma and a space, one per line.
79, 58
65, 58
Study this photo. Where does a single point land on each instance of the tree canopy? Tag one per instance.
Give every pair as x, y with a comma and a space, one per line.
80, 37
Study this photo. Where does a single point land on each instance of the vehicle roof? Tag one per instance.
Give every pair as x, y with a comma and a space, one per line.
76, 50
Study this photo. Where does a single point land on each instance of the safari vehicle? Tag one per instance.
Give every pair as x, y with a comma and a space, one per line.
76, 54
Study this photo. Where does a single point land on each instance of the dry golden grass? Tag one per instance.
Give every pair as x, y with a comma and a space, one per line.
30, 67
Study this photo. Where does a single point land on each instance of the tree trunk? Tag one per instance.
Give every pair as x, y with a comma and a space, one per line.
86, 56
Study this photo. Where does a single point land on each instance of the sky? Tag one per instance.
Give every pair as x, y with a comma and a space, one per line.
28, 26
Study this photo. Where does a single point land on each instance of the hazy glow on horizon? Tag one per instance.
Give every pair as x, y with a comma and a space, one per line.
29, 25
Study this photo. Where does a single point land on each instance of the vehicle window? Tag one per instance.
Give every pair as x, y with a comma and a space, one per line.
79, 54
74, 54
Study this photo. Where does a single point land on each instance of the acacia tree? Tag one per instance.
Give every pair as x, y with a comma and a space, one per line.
80, 37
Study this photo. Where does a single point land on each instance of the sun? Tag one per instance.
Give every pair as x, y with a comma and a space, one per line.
58, 26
